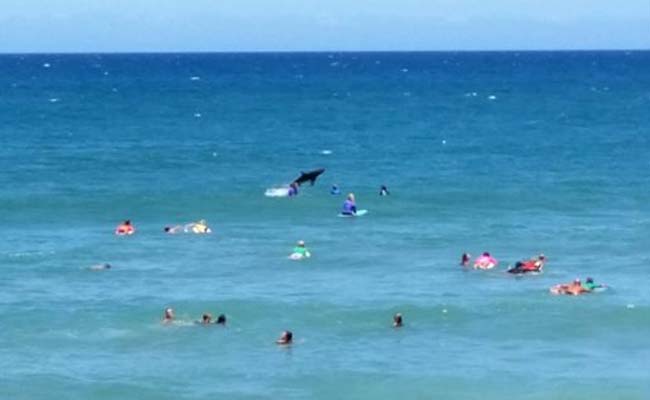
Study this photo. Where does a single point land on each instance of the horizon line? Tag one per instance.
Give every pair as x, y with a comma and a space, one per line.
154, 52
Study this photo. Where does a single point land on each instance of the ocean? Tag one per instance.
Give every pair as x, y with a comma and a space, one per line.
514, 153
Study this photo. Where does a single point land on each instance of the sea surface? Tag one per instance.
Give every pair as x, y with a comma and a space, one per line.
512, 153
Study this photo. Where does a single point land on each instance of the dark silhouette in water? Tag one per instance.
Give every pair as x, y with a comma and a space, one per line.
309, 176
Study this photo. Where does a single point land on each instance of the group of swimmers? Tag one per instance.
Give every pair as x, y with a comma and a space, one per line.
532, 265
286, 337
334, 190
127, 228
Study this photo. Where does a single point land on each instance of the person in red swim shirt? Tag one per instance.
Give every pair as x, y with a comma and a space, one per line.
125, 228
532, 265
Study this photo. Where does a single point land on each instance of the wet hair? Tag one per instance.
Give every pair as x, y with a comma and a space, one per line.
127, 222
590, 280
221, 319
167, 229
206, 317
397, 319
288, 336
486, 254
107, 266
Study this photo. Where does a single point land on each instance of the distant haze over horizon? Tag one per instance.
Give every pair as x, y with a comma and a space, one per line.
103, 26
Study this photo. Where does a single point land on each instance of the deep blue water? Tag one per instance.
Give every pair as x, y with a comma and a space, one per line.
515, 153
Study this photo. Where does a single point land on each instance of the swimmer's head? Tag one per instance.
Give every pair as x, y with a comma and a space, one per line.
486, 254
107, 266
397, 320
221, 319
351, 196
169, 313
301, 243
590, 280
576, 281
168, 229
202, 222
127, 222
541, 256
285, 338
206, 318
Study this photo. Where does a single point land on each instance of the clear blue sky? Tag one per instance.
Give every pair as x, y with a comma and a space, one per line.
289, 25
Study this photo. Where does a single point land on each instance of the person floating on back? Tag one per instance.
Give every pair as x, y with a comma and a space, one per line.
349, 206
199, 227
286, 338
173, 229
100, 267
125, 228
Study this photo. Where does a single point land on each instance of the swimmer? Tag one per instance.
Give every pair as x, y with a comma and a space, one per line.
349, 206
300, 251
397, 321
384, 191
198, 227
335, 190
125, 228
173, 229
465, 259
574, 288
293, 190
100, 267
221, 320
485, 261
590, 285
168, 317
286, 338
531, 265
206, 319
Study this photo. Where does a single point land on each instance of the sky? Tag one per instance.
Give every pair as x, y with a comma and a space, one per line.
36, 26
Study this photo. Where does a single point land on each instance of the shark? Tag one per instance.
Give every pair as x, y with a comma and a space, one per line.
308, 176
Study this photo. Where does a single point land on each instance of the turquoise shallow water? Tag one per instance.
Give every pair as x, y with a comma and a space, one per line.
514, 153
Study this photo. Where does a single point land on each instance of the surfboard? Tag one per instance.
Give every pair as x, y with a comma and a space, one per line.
360, 213
298, 256
277, 192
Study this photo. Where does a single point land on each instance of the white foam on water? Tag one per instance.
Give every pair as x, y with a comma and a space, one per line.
195, 78
46, 65
492, 97
54, 100
326, 152
197, 115
277, 192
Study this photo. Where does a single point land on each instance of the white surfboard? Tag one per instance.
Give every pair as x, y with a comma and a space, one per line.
360, 213
277, 192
